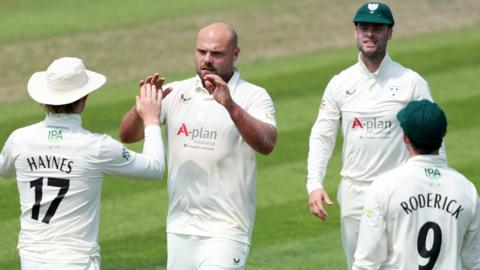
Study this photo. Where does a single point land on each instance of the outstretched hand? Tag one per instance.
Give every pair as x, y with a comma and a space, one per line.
149, 104
315, 203
158, 82
218, 88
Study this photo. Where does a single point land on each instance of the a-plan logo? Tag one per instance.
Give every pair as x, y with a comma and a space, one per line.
371, 124
197, 133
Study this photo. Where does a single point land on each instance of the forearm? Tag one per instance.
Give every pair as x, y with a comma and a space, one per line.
321, 144
259, 135
131, 128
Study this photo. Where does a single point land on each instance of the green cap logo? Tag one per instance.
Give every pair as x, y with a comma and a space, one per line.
374, 12
372, 7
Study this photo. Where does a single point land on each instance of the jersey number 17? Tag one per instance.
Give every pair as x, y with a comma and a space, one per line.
63, 184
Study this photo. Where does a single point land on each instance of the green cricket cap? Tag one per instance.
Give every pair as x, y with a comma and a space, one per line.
423, 121
374, 12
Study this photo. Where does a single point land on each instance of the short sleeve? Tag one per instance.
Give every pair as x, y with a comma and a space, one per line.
262, 107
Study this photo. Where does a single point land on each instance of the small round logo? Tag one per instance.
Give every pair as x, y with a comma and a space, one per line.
372, 6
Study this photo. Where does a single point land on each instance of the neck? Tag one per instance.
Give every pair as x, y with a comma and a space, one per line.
372, 61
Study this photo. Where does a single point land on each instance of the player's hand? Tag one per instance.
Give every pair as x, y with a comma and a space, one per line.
315, 203
218, 88
149, 104
158, 81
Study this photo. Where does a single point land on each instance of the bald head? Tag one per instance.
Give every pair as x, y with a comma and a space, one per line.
220, 30
216, 50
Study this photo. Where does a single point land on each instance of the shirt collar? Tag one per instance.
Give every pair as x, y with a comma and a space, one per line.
428, 160
72, 119
232, 83
382, 69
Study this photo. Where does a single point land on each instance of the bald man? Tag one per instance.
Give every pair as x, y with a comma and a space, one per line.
215, 124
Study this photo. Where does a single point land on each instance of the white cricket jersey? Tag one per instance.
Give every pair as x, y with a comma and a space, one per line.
365, 104
59, 168
212, 170
421, 215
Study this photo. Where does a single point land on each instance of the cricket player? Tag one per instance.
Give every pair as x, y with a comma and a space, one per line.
59, 167
363, 100
215, 124
422, 214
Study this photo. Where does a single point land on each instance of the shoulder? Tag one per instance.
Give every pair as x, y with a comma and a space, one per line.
346, 76
391, 179
27, 132
406, 72
250, 87
461, 180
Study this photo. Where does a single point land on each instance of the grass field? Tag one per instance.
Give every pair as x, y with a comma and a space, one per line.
290, 52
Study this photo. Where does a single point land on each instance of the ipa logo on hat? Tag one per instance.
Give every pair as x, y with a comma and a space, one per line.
372, 7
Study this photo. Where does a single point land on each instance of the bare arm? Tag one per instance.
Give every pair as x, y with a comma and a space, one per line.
131, 128
259, 135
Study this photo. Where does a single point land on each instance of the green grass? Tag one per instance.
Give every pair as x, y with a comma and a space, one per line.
33, 19
286, 236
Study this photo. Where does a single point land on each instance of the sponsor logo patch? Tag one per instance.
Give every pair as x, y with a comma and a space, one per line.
201, 138
126, 154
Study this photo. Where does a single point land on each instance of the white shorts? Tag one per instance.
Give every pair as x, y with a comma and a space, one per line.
93, 264
190, 252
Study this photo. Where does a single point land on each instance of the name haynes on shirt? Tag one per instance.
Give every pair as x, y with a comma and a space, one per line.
201, 138
50, 162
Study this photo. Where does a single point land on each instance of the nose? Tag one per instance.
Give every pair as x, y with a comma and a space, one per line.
208, 59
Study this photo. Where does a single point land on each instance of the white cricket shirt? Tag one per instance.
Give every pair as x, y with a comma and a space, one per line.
365, 104
59, 169
212, 170
422, 213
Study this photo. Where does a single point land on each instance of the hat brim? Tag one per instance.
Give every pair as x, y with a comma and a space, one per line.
40, 92
371, 19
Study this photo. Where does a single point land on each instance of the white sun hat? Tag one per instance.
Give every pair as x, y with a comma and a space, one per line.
66, 80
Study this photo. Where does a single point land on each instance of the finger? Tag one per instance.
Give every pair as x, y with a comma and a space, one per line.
143, 91
149, 79
322, 213
154, 93
149, 91
141, 83
160, 82
327, 199
166, 92
314, 210
137, 103
155, 77
210, 86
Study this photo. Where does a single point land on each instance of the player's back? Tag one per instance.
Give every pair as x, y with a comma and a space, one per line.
429, 208
59, 186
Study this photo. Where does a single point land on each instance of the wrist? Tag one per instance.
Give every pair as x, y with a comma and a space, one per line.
152, 121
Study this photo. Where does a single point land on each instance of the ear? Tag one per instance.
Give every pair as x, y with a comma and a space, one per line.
406, 140
236, 54
390, 32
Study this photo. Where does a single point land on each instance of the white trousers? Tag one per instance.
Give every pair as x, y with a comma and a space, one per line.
351, 197
190, 252
93, 264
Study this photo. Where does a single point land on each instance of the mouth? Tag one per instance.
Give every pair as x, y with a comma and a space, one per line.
208, 70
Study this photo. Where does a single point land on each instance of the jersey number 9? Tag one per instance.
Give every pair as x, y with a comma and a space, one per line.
434, 251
